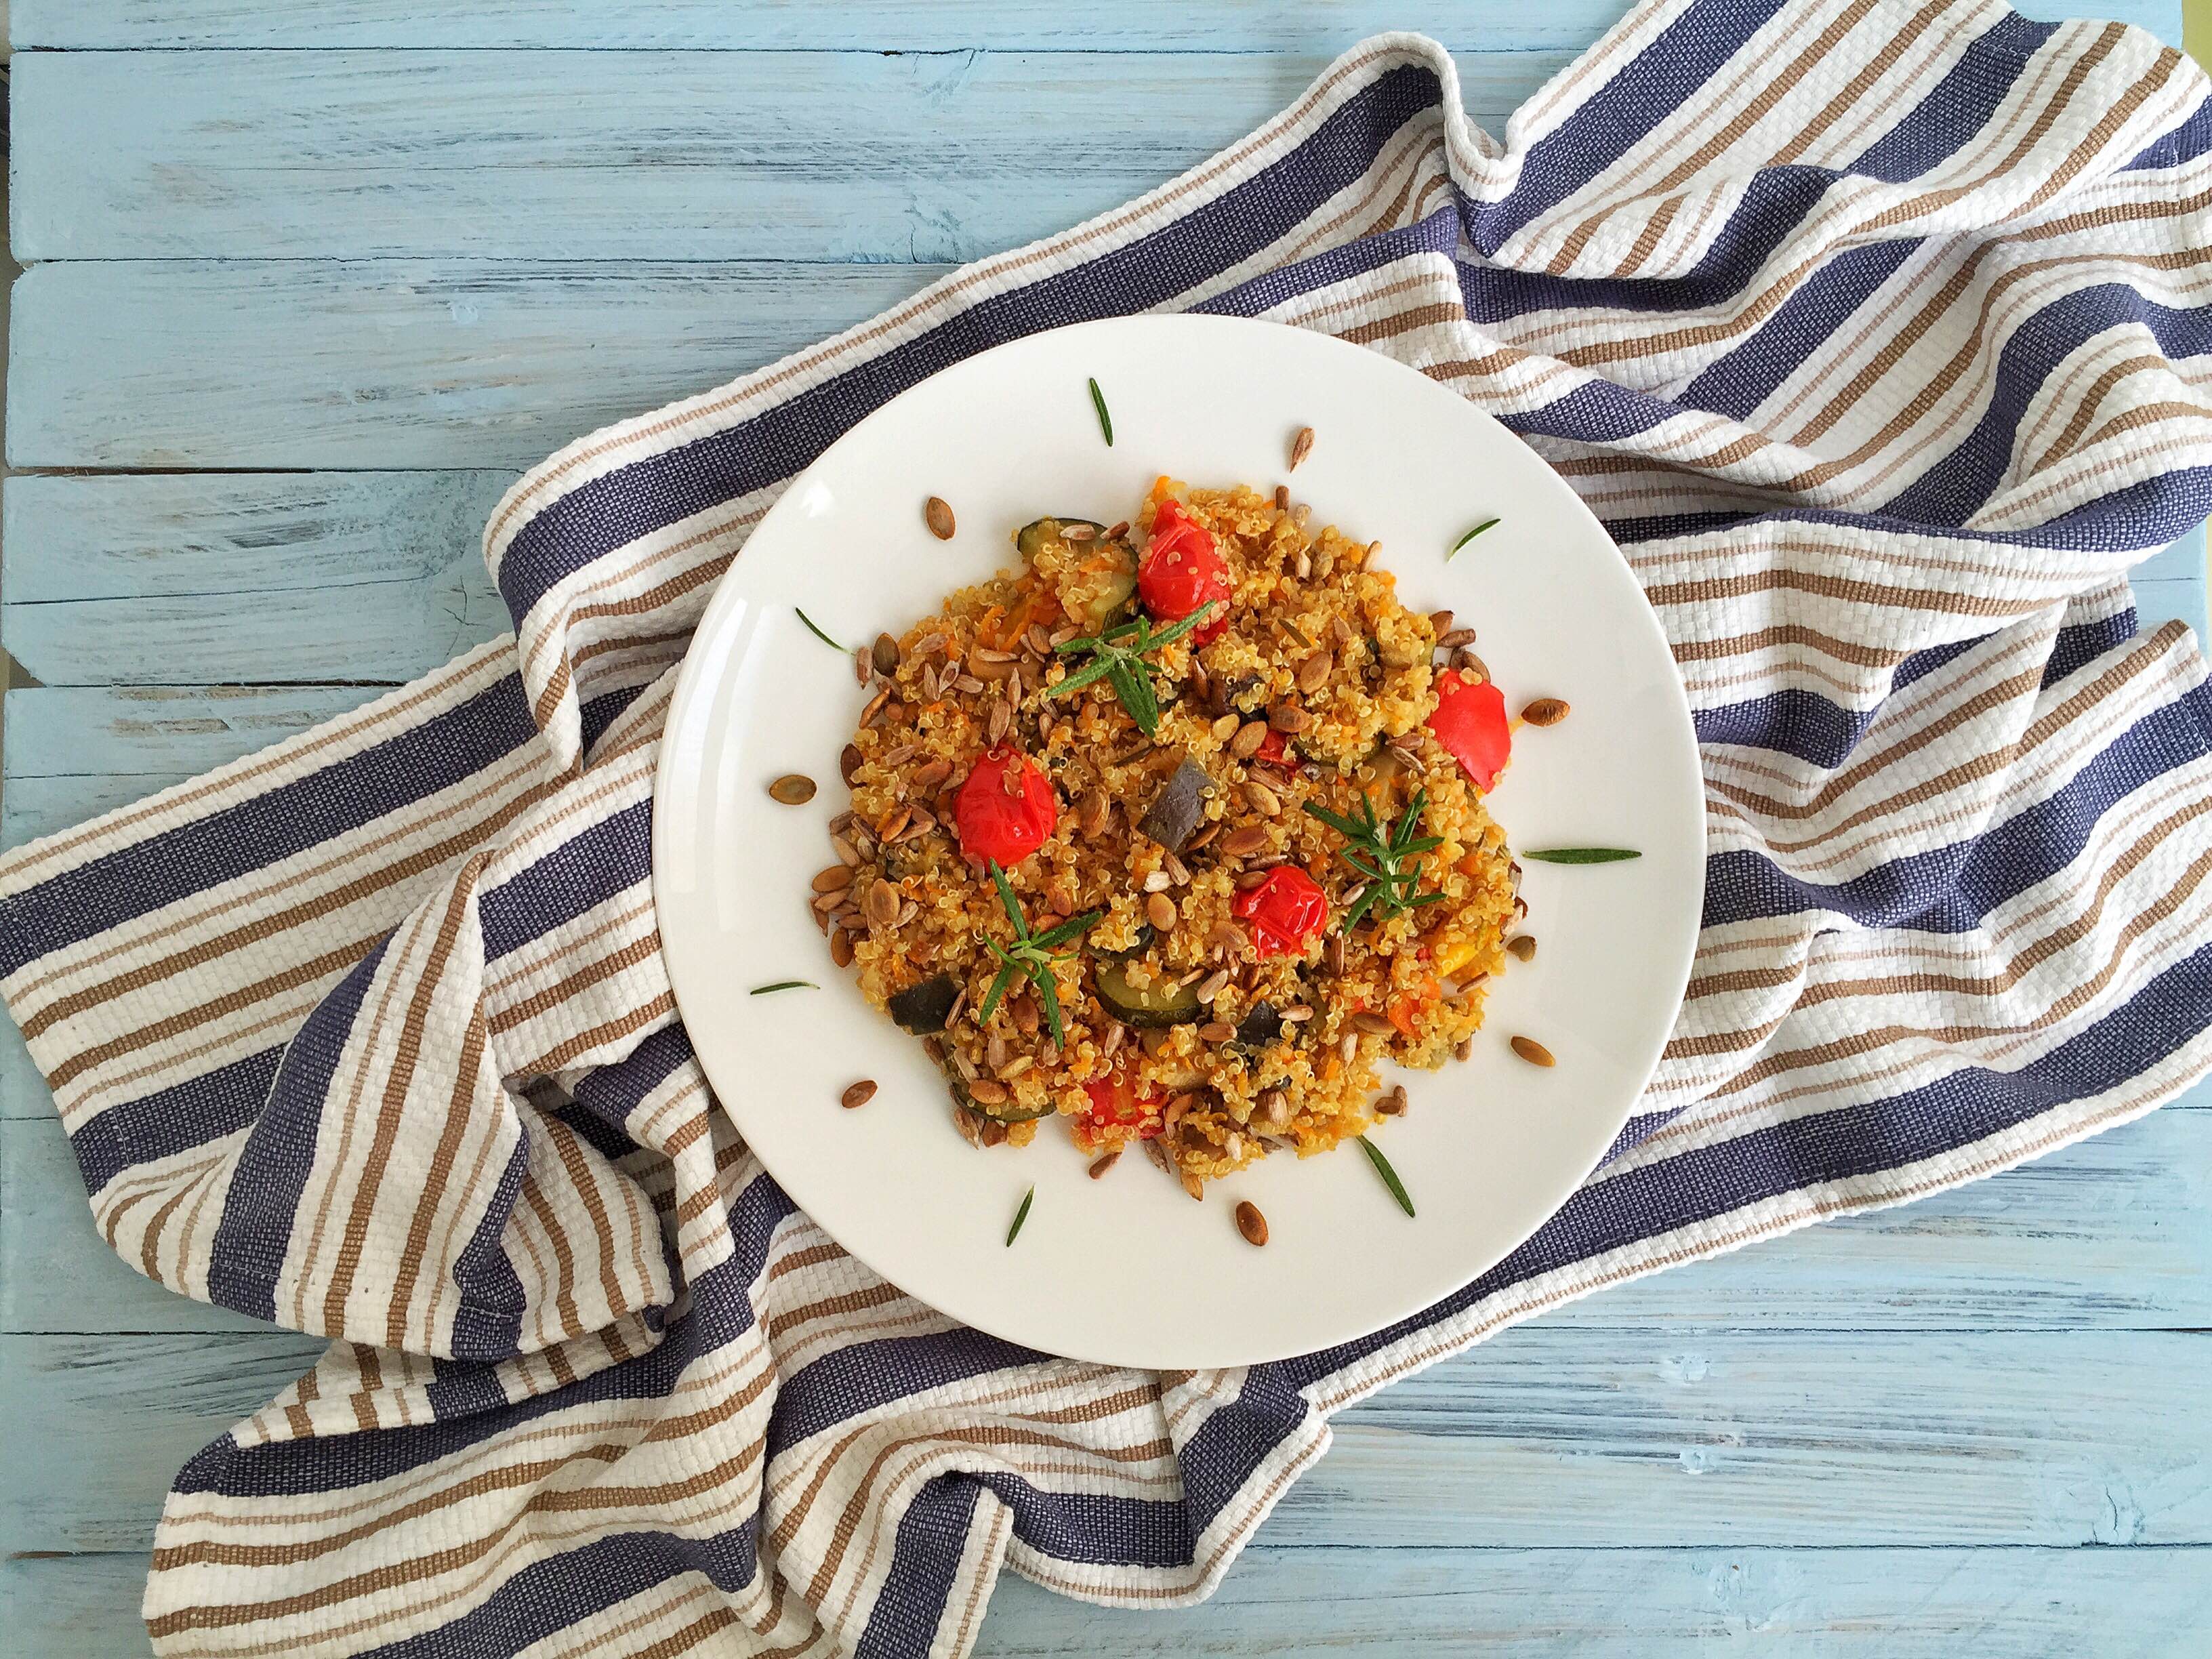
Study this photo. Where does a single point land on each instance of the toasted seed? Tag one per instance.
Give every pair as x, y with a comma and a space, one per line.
1376, 1023
1111, 1039
1334, 951
859, 1095
882, 904
1522, 945
840, 947
1160, 911
1452, 639
1245, 841
1014, 1068
1265, 801
1249, 736
934, 772
895, 823
995, 1051
849, 762
1178, 872
1157, 1154
938, 517
836, 877
1314, 671
1025, 1014
1247, 880
1076, 533
1092, 812
1195, 1186
965, 1121
986, 1093
1251, 1222
1225, 729
999, 723
1201, 838
1301, 446
1545, 711
1215, 1031
1099, 1166
1464, 1049
885, 654
1347, 1046
1302, 566
1470, 663
1288, 718
792, 789
992, 1131
1532, 1051
1440, 622
1226, 937
1212, 986
1393, 1103
1282, 497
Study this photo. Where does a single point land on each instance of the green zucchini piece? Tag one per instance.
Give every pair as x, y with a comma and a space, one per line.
1012, 1112
1094, 581
923, 1009
1163, 1002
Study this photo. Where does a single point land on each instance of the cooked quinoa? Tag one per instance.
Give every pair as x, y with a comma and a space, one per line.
1252, 1051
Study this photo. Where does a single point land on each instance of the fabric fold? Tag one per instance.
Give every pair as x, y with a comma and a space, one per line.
1873, 332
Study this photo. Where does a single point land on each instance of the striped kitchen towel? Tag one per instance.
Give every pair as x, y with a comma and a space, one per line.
1874, 329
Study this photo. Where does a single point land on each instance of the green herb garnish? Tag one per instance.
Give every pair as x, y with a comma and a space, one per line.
784, 985
1032, 954
1020, 1216
1469, 537
1580, 854
817, 632
1384, 853
1105, 421
1383, 1168
1118, 658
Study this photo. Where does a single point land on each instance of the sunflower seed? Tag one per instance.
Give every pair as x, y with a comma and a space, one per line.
1099, 1166
1227, 937
965, 1121
875, 706
1301, 446
1092, 812
1265, 801
992, 1132
1348, 1047
1250, 880
1111, 1039
1195, 1186
1545, 711
1118, 529
1273, 1109
1521, 946
1212, 986
859, 1095
1014, 1068
1202, 839
985, 1092
929, 644
1159, 1155
1001, 719
1215, 1032
1288, 718
894, 822
938, 517
1178, 872
1393, 1103
864, 665
1302, 566
792, 789
1282, 497
1375, 1024
1225, 730
1243, 842
1532, 1051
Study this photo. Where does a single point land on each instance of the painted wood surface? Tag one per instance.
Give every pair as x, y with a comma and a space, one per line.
1208, 25
325, 303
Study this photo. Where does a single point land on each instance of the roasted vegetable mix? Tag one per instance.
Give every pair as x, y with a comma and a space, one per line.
1174, 830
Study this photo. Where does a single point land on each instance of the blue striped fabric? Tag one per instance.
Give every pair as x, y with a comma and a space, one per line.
1874, 331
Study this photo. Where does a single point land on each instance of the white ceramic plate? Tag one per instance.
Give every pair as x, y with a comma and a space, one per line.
1127, 1270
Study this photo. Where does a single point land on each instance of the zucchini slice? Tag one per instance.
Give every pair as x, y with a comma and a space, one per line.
923, 1009
1163, 1002
1093, 580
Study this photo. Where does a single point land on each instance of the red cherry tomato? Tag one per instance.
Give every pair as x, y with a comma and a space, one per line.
1285, 911
1006, 808
1182, 570
1116, 1103
1470, 722
1275, 749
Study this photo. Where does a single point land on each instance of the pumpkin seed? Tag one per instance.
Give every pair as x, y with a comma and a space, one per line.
1301, 446
1099, 1166
1251, 1222
1092, 812
1160, 911
1374, 1024
1532, 1051
1545, 711
792, 789
1215, 1032
836, 877
1265, 801
882, 904
1521, 946
859, 1095
1451, 639
1314, 671
986, 1093
1212, 986
1289, 718
1440, 622
1244, 841
931, 774
1464, 1049
1249, 736
938, 517
840, 947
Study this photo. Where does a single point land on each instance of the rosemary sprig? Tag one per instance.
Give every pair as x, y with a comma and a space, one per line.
1389, 1175
1032, 954
1385, 853
1580, 854
817, 632
1118, 658
784, 985
1105, 421
1020, 1216
1469, 537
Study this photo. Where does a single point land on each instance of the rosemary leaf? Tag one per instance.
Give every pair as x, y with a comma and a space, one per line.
1382, 1168
1580, 854
784, 985
1105, 424
1029, 1197
1469, 537
817, 632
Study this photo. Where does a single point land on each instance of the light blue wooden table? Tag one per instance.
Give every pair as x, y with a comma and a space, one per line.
307, 284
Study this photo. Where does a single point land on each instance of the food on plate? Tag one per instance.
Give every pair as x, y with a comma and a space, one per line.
1173, 832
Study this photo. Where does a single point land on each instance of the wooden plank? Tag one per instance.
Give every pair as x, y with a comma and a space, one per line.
1485, 1604
391, 363
803, 156
1307, 26
1546, 1437
2115, 1234
1657, 1604
66, 731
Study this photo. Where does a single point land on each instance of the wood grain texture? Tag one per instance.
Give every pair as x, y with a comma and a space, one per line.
1543, 1437
1210, 26
804, 155
391, 363
2114, 1234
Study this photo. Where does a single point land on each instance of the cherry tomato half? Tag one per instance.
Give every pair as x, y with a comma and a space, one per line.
1006, 808
1275, 749
1182, 570
1470, 722
1116, 1103
1284, 911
